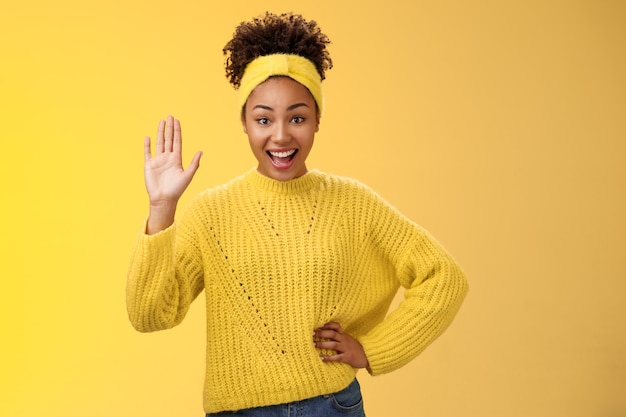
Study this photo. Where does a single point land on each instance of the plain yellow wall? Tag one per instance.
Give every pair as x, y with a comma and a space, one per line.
500, 126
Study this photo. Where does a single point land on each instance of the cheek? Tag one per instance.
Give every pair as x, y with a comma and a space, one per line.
256, 143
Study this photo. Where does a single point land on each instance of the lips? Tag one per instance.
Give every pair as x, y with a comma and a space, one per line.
282, 159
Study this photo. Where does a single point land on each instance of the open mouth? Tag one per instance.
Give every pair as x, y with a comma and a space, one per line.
282, 159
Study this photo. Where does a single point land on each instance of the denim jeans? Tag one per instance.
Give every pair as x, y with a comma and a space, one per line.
347, 402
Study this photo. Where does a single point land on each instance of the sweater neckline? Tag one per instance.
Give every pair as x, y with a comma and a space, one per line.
296, 185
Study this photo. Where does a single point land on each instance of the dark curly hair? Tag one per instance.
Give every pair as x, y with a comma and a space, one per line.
273, 34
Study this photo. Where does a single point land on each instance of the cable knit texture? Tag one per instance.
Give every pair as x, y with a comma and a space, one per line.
277, 260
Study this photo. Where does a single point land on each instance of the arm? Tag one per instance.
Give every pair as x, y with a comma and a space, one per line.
164, 277
162, 280
435, 288
432, 299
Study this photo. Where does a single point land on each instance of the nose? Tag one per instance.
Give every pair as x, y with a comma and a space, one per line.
281, 134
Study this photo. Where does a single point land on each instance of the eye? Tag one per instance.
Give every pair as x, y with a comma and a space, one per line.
297, 120
263, 121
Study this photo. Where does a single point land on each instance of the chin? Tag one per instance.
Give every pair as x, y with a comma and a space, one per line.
283, 175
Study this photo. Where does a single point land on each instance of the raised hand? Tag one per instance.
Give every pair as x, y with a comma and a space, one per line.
348, 350
165, 177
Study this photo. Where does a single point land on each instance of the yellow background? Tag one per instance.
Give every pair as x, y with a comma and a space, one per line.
500, 126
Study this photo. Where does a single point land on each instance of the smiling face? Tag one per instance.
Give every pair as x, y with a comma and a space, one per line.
280, 119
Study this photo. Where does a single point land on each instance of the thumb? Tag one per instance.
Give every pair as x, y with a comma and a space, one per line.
193, 165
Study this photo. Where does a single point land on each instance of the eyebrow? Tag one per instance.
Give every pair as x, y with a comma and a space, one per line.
290, 108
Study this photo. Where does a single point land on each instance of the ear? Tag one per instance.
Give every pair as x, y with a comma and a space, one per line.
243, 123
317, 123
243, 119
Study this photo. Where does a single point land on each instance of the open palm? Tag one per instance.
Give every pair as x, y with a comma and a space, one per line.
165, 177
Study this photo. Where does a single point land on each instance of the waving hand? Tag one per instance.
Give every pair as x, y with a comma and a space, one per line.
165, 177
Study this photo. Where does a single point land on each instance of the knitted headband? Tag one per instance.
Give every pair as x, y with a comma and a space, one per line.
295, 67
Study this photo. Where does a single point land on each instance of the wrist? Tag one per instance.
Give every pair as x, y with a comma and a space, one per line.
161, 217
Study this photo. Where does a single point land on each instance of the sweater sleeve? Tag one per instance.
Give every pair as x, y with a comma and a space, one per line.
435, 287
164, 277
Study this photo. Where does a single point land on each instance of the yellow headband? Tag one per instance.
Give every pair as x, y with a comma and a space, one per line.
295, 67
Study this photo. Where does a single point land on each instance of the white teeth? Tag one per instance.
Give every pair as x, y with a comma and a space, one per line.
283, 154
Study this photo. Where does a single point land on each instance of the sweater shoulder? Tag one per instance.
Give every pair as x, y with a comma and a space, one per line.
212, 202
357, 192
219, 192
347, 185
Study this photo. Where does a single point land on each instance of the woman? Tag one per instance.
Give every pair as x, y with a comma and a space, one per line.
296, 265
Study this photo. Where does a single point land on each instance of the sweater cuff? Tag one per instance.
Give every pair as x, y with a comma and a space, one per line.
167, 230
150, 261
377, 356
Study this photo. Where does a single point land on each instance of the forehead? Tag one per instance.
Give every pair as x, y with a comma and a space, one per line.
281, 90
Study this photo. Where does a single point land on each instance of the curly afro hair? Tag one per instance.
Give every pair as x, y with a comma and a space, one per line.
286, 33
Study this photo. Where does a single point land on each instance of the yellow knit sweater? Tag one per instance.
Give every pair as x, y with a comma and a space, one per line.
277, 260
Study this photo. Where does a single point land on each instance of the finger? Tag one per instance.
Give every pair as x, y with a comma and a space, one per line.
159, 138
357, 363
332, 358
147, 153
169, 134
329, 345
332, 326
329, 330
177, 145
193, 166
327, 334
